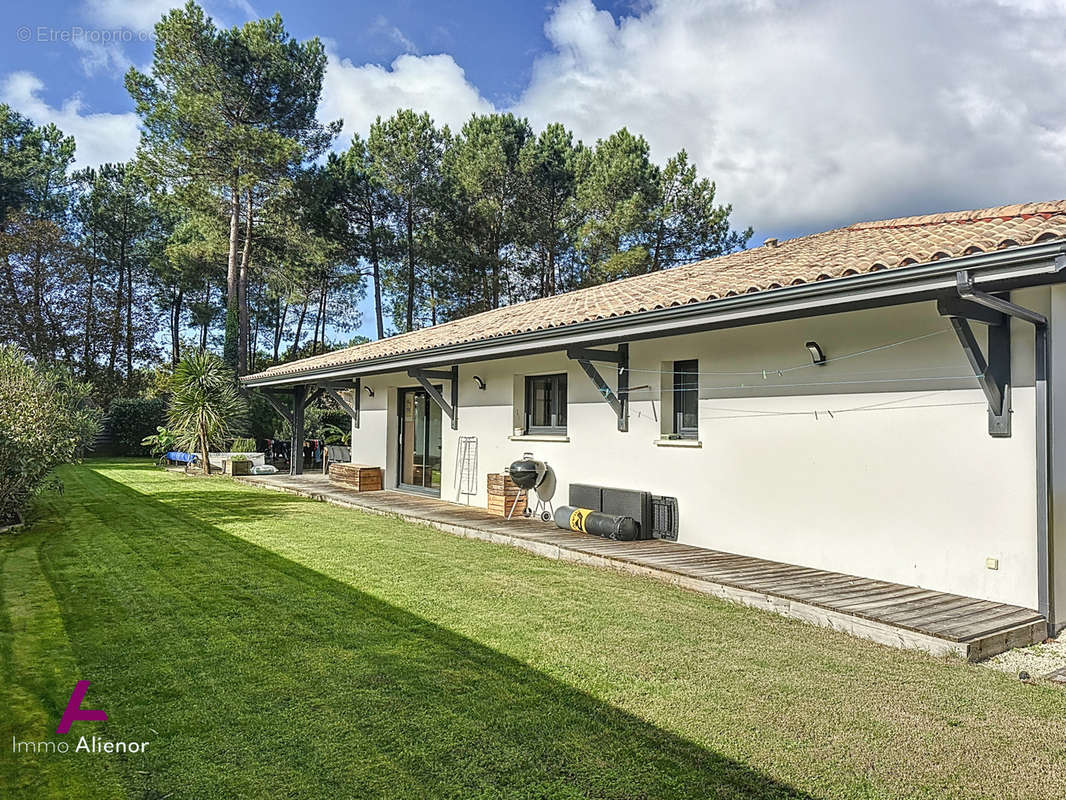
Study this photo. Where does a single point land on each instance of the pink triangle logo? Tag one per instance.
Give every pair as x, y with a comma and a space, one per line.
75, 712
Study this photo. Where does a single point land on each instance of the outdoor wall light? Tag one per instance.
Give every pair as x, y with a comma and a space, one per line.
817, 356
480, 383
369, 390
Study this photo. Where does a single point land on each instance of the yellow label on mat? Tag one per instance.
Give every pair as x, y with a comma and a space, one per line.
577, 519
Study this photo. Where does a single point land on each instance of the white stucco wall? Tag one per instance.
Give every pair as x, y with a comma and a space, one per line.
902, 482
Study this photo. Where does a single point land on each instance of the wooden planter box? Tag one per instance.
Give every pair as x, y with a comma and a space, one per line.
502, 493
360, 477
238, 467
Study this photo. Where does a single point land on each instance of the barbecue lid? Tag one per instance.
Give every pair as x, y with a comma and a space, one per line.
527, 472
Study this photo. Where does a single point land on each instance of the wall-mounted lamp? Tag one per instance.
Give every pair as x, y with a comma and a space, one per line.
817, 356
480, 383
369, 391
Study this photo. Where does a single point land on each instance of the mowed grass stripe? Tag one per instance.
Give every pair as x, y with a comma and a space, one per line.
39, 671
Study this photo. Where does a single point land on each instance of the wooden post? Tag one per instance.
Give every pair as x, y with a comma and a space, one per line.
296, 458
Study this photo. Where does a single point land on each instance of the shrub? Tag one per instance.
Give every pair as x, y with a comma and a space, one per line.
45, 421
243, 445
131, 419
160, 442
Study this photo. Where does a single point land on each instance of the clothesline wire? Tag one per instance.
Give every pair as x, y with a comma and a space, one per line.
655, 393
807, 365
885, 405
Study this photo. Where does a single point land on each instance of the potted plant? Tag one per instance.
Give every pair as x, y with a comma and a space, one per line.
239, 464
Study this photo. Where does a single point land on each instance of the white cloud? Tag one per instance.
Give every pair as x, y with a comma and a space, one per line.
99, 137
142, 15
101, 57
815, 113
359, 94
136, 15
385, 29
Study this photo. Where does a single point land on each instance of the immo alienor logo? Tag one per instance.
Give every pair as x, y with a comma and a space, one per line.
74, 711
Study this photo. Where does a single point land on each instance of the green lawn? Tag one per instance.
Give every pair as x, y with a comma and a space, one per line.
273, 647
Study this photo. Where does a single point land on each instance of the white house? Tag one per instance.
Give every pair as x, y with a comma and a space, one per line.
886, 400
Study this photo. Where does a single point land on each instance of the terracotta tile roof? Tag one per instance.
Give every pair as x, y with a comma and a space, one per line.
859, 248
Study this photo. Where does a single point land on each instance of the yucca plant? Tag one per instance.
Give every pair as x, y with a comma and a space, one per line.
205, 405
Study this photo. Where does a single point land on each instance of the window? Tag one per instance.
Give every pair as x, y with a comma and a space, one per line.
546, 404
686, 399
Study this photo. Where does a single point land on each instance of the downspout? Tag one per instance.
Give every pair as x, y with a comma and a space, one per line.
1044, 511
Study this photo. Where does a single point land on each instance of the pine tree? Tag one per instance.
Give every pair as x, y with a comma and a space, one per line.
407, 149
231, 111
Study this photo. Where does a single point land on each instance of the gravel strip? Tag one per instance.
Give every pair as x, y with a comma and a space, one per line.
1039, 660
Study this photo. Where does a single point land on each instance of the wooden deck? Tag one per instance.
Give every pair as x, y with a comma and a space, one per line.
889, 613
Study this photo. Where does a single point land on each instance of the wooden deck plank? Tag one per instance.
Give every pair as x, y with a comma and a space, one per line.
824, 589
888, 612
932, 609
887, 598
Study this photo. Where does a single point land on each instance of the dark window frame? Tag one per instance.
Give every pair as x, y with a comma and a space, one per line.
557, 398
686, 389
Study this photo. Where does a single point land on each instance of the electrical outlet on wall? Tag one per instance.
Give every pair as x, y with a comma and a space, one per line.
992, 563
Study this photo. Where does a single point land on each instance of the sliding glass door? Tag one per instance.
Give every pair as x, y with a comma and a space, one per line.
420, 442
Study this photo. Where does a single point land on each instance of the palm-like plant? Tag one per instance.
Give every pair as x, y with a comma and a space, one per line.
205, 405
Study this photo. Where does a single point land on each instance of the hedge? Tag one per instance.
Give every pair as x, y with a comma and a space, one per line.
130, 419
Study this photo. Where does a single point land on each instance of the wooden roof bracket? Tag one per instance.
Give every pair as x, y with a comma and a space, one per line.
993, 372
1042, 354
278, 405
424, 376
585, 356
333, 391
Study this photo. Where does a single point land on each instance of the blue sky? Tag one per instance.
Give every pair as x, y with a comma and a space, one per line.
495, 42
808, 114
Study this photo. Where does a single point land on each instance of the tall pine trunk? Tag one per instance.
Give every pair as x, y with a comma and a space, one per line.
279, 330
377, 277
242, 291
320, 321
87, 348
299, 327
129, 303
207, 315
410, 266
175, 328
116, 322
232, 344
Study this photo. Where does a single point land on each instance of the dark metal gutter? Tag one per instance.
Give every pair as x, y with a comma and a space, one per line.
1002, 270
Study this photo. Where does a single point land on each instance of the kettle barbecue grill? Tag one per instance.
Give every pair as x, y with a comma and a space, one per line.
528, 474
